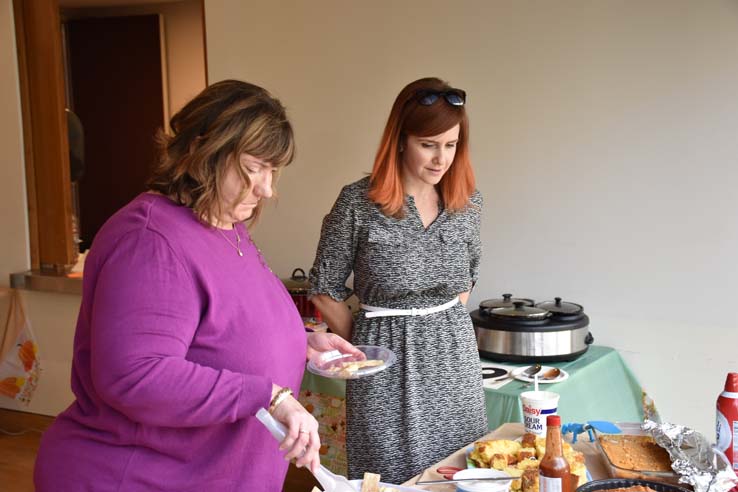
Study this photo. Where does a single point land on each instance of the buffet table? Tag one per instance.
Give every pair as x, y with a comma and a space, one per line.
600, 386
592, 458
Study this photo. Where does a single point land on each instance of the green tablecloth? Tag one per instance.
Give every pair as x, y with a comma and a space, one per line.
600, 387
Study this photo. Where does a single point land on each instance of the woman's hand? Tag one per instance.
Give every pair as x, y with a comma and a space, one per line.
302, 441
324, 342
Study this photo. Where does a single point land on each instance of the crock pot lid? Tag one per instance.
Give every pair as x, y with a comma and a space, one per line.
298, 281
520, 311
559, 307
506, 301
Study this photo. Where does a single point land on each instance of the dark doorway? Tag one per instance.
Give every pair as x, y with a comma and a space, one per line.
117, 92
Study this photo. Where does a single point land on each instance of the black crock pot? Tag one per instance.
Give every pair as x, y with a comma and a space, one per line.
551, 331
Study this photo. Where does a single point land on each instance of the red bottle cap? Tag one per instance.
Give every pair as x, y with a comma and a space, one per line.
731, 382
553, 420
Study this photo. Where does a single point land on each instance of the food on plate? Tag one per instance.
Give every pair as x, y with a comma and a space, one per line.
632, 488
520, 460
369, 484
347, 368
635, 452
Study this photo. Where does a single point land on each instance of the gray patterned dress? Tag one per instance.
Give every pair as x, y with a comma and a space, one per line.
431, 401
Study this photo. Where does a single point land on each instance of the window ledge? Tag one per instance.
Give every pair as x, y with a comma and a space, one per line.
47, 282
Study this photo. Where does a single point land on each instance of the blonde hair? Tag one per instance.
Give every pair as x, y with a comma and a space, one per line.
208, 136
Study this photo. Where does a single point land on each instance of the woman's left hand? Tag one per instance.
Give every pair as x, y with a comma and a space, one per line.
324, 342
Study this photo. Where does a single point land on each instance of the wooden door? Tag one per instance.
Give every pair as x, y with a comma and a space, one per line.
117, 92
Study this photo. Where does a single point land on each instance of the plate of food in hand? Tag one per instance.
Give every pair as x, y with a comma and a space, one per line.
520, 458
337, 365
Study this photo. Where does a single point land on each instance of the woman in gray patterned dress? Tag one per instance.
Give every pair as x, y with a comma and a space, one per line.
410, 234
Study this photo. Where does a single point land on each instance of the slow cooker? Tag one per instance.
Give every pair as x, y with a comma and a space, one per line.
298, 287
519, 330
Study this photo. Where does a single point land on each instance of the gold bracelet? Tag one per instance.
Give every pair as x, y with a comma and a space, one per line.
279, 398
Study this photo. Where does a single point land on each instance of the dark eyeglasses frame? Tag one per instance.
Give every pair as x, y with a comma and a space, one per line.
455, 97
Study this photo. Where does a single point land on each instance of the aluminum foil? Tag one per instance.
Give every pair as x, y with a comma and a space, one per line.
693, 457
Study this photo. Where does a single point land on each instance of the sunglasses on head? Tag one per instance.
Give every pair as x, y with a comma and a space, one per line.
455, 97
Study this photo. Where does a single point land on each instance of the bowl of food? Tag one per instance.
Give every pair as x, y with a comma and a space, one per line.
629, 485
634, 454
337, 365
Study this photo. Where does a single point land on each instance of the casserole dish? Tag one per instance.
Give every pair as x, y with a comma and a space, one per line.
618, 483
635, 455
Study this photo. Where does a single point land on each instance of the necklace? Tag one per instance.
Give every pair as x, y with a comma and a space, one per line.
238, 240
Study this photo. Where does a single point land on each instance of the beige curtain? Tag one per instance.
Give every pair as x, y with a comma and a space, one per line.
19, 362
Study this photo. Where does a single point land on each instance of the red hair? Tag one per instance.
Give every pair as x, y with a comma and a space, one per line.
408, 117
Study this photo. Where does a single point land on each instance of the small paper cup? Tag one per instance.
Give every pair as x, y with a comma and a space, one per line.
537, 405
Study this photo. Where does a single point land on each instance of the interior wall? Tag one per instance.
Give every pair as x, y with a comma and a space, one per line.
603, 136
183, 39
14, 249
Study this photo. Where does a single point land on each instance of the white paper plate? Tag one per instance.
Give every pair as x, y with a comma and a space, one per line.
517, 374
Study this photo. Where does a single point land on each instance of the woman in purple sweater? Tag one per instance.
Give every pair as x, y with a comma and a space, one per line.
184, 332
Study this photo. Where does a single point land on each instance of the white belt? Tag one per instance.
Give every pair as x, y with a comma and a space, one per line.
375, 312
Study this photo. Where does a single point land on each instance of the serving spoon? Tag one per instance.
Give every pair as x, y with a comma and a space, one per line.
327, 479
552, 373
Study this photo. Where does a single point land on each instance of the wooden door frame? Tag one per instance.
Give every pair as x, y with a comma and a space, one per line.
46, 148
45, 145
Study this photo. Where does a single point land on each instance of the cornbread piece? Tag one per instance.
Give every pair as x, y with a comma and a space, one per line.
370, 483
486, 451
528, 440
526, 453
527, 464
517, 483
637, 453
529, 480
577, 468
347, 369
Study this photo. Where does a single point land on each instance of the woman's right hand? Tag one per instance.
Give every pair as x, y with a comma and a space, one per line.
302, 441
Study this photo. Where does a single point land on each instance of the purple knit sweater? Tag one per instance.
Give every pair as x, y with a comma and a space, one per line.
178, 342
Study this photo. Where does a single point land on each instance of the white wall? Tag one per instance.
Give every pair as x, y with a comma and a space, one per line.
603, 136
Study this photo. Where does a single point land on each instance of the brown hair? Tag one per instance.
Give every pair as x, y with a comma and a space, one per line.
408, 117
209, 134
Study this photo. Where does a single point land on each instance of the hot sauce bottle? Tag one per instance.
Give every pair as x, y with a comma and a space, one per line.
553, 471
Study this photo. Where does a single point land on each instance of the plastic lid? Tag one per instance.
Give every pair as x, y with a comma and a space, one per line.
731, 382
553, 420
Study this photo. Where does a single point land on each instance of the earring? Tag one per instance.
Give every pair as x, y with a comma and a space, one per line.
402, 148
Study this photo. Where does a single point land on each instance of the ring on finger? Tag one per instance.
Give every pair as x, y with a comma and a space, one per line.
303, 431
